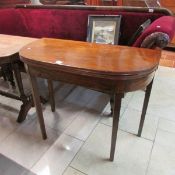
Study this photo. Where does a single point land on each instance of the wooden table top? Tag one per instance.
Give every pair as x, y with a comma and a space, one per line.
89, 57
10, 44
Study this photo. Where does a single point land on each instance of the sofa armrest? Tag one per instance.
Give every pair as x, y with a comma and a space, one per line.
156, 40
161, 30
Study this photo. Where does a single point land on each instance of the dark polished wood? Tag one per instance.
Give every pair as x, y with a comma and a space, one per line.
135, 3
170, 4
106, 68
116, 114
145, 106
12, 3
9, 48
51, 95
27, 101
48, 1
112, 8
62, 2
37, 103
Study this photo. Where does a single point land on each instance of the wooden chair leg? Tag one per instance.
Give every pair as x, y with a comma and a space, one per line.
51, 95
144, 109
116, 114
36, 98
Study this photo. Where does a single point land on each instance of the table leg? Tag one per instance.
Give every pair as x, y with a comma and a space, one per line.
25, 107
144, 109
2, 74
37, 102
111, 104
116, 114
8, 74
51, 95
27, 102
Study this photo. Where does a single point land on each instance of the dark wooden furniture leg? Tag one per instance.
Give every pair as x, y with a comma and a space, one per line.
8, 73
2, 74
37, 102
27, 101
144, 109
111, 104
116, 114
51, 95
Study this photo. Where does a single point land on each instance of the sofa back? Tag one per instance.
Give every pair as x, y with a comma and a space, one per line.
70, 22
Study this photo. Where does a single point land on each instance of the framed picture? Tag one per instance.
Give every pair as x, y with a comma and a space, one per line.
104, 29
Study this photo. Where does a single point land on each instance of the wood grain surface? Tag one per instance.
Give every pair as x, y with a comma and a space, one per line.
101, 58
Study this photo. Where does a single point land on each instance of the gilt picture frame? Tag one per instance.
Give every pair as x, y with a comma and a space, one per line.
104, 29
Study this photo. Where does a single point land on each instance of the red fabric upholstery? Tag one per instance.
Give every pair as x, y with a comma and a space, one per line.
65, 23
72, 24
165, 24
12, 23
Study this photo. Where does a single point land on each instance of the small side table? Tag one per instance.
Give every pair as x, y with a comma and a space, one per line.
9, 48
110, 69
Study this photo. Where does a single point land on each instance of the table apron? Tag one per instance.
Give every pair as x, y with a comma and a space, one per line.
102, 84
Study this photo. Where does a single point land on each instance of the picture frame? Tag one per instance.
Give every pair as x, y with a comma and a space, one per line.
104, 29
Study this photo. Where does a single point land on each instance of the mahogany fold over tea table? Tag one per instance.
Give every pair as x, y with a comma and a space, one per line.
106, 68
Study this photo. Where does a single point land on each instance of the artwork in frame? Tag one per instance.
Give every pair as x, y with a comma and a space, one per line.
104, 29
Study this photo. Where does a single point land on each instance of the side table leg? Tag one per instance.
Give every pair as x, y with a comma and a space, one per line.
116, 114
111, 104
25, 107
7, 70
144, 109
37, 102
51, 95
27, 103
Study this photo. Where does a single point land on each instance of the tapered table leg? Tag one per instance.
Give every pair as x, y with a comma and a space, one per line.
111, 104
51, 95
37, 102
144, 109
116, 114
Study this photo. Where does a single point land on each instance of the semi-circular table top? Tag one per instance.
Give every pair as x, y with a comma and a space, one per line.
90, 57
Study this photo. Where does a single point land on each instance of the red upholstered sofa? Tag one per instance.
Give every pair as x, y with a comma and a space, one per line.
70, 22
